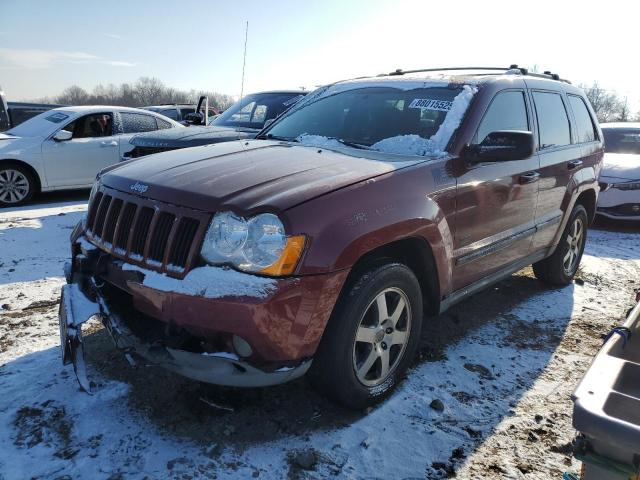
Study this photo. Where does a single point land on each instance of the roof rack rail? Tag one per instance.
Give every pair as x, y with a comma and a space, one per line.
511, 69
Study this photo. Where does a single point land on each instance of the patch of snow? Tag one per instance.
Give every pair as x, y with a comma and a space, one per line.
436, 145
319, 141
208, 282
86, 245
407, 145
78, 305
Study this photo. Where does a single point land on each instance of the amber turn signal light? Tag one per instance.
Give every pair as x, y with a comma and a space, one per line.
288, 261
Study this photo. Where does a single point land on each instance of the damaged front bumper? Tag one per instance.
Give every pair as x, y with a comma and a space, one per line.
83, 298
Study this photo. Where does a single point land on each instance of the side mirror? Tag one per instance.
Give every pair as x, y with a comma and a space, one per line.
194, 118
62, 136
501, 146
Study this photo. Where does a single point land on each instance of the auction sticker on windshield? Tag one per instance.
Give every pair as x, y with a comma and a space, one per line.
431, 104
57, 117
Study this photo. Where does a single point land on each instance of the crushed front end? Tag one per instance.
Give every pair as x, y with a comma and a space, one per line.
135, 265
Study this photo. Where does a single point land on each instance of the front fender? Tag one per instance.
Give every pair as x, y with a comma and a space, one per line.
351, 222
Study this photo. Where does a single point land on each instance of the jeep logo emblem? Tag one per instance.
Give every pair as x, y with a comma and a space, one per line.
139, 187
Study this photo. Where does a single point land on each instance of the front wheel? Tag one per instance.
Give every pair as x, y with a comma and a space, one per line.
560, 268
371, 338
17, 185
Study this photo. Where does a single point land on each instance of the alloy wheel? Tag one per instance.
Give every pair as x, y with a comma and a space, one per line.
14, 186
382, 337
575, 238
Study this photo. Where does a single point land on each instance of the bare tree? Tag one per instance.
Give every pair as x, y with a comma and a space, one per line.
605, 103
146, 91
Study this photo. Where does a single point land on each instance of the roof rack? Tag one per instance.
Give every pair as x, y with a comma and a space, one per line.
510, 70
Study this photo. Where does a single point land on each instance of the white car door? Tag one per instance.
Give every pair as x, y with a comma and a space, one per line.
75, 162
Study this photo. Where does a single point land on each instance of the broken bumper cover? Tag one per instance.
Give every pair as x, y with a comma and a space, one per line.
76, 307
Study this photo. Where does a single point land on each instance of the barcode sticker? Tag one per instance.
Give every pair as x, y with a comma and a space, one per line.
430, 104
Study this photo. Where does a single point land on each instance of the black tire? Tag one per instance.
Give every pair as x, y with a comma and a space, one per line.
333, 371
554, 270
17, 185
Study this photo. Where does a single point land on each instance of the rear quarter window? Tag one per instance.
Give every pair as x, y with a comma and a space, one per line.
553, 122
585, 127
137, 122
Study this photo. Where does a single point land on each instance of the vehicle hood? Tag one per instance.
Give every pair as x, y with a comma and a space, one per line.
16, 145
621, 166
191, 136
246, 176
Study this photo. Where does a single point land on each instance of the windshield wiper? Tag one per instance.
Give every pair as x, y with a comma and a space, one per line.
353, 144
270, 136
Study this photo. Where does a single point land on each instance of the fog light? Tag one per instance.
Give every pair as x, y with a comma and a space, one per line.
242, 348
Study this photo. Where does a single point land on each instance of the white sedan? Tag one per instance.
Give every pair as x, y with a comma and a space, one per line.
66, 147
620, 177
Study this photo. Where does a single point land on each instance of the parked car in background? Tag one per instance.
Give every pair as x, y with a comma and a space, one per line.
244, 119
620, 178
14, 113
320, 244
4, 113
65, 148
178, 112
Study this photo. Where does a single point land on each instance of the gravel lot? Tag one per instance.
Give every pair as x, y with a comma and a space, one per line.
489, 397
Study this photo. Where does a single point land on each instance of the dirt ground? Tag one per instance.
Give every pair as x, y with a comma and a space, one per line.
501, 366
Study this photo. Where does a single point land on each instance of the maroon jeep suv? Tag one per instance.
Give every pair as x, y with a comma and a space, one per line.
323, 245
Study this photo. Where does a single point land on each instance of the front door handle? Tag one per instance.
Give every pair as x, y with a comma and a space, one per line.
112, 143
573, 164
528, 177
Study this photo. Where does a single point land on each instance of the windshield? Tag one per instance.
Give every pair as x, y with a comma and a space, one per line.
253, 110
386, 119
621, 140
40, 124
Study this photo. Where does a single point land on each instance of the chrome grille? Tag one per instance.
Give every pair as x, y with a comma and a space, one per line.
159, 236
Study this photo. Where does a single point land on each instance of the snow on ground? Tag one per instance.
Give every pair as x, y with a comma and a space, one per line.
489, 397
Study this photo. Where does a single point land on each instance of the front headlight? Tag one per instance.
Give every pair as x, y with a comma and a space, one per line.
626, 186
258, 244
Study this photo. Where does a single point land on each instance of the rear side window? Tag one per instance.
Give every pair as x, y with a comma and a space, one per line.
584, 123
508, 111
553, 122
170, 112
137, 122
162, 124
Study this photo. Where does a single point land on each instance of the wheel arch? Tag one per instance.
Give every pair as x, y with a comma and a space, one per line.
21, 163
414, 252
588, 200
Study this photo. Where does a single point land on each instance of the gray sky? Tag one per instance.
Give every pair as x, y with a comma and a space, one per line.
47, 46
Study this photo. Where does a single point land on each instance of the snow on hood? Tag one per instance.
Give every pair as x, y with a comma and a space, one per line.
208, 282
621, 165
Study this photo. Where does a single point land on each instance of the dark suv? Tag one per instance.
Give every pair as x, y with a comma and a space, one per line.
324, 244
244, 119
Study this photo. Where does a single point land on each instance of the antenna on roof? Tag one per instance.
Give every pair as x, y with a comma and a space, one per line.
244, 58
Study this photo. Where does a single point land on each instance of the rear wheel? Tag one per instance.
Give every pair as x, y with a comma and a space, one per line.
560, 268
371, 337
17, 185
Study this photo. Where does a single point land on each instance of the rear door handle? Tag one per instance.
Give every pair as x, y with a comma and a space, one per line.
529, 177
112, 143
573, 164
